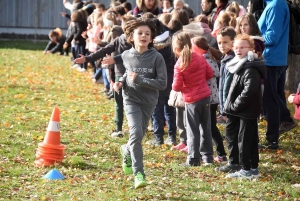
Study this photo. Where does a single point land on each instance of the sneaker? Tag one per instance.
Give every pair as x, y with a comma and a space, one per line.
269, 145
184, 150
117, 134
81, 70
228, 168
139, 181
240, 174
105, 90
286, 126
76, 66
127, 163
178, 147
207, 164
110, 96
220, 159
255, 173
154, 142
170, 141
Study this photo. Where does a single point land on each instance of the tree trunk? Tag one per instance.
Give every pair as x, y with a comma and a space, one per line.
292, 73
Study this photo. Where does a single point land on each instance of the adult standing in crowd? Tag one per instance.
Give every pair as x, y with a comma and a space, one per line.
180, 4
167, 6
144, 6
208, 7
274, 26
221, 7
256, 7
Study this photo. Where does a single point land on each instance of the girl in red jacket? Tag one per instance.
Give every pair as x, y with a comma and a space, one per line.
190, 78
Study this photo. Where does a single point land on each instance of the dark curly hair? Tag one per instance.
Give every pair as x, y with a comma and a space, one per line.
131, 25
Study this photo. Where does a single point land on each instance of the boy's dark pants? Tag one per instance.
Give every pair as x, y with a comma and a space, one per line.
242, 141
119, 108
161, 113
274, 102
215, 133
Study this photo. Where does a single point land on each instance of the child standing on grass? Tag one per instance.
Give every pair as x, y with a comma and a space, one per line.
190, 77
243, 106
225, 38
145, 75
200, 46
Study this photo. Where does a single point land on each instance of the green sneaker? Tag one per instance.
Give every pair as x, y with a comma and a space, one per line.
139, 181
127, 163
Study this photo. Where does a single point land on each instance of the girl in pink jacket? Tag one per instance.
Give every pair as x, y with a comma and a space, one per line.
190, 78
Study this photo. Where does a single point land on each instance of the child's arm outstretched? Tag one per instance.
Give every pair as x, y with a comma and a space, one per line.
99, 54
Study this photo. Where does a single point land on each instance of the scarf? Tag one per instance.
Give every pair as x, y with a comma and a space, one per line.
235, 64
219, 9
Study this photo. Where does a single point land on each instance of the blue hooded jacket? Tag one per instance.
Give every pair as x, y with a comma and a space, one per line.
274, 25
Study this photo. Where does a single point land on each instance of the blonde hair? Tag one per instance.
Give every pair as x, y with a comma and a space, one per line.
247, 38
165, 18
226, 20
234, 9
111, 15
182, 41
254, 30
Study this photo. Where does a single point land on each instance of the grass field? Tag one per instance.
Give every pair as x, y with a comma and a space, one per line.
31, 84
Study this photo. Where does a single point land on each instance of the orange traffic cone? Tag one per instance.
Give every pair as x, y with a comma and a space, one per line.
50, 151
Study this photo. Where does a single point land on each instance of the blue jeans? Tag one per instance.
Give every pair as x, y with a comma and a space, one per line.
79, 49
161, 113
274, 102
105, 80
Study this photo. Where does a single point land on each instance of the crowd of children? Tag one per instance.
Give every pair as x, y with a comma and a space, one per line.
161, 62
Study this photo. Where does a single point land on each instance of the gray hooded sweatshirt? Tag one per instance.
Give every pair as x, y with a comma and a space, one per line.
152, 76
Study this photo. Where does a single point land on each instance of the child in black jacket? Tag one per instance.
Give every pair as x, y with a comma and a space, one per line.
56, 42
243, 106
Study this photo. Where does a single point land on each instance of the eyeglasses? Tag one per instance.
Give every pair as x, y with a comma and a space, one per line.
240, 48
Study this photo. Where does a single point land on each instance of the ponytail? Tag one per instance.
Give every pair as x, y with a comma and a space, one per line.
232, 21
182, 41
186, 56
215, 54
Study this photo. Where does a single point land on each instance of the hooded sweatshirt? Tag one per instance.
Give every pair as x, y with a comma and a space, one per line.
274, 26
164, 47
258, 43
152, 76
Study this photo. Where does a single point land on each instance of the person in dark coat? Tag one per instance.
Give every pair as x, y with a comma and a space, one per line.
56, 42
162, 43
242, 108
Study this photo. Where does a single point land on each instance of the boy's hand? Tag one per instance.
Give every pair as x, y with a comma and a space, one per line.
80, 60
118, 86
291, 98
63, 14
132, 76
108, 60
65, 46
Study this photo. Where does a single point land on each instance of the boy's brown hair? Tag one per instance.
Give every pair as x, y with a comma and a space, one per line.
175, 25
181, 15
227, 31
165, 18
